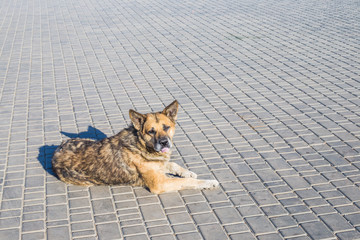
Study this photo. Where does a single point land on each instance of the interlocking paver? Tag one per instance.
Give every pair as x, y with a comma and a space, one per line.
159, 230
354, 219
228, 215
336, 222
268, 96
58, 233
32, 226
33, 235
292, 232
348, 235
108, 231
318, 230
260, 225
56, 212
9, 233
212, 231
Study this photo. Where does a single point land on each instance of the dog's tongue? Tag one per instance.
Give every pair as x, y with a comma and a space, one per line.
165, 149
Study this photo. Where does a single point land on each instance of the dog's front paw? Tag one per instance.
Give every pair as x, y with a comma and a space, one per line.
188, 174
210, 184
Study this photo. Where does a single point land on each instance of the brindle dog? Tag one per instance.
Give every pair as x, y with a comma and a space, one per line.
138, 156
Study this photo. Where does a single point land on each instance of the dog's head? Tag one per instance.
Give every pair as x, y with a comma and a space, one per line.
156, 129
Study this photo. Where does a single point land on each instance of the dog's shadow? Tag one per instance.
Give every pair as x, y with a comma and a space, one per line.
46, 152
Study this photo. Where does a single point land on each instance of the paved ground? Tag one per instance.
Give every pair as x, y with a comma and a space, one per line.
269, 94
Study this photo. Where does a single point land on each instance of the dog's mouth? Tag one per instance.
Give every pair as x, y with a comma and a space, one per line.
162, 149
165, 150
163, 145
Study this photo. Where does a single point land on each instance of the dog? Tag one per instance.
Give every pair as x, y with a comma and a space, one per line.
138, 156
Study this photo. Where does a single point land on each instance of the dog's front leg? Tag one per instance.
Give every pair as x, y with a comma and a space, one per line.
160, 183
175, 169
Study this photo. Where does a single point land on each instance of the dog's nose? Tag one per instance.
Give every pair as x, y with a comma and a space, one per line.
163, 142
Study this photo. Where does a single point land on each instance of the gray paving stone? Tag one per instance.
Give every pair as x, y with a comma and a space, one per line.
152, 212
158, 230
55, 188
263, 198
354, 219
132, 230
194, 199
33, 226
33, 235
80, 217
34, 181
181, 228
189, 236
123, 197
260, 225
12, 192
317, 230
224, 175
336, 222
348, 235
283, 222
108, 231
212, 231
79, 210
269, 236
33, 216
274, 210
9, 233
228, 215
79, 226
58, 233
267, 175
125, 205
253, 186
79, 202
85, 233
171, 200
99, 192
181, 217
140, 237
9, 222
241, 236
75, 193
351, 192
200, 207
57, 223
204, 218
215, 195
296, 182
236, 228
250, 210
102, 206
56, 212
323, 210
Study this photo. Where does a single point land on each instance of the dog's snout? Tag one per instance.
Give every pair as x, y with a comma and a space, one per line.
164, 142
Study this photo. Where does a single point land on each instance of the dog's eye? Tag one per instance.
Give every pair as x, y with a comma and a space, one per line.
166, 127
151, 131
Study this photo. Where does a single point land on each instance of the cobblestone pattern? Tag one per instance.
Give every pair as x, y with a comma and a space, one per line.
269, 94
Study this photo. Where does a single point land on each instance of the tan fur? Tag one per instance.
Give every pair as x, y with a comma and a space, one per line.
137, 156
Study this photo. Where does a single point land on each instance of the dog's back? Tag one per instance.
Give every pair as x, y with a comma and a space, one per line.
88, 162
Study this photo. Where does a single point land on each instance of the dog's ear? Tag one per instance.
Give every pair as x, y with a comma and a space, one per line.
137, 119
172, 110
